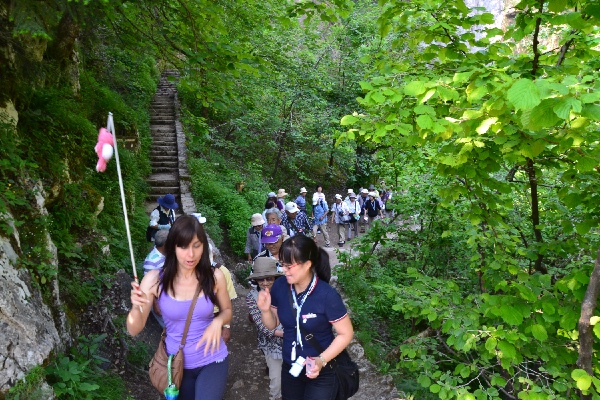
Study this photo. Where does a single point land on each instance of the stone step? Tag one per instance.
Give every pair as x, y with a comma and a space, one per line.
155, 125
165, 164
163, 130
158, 152
162, 120
163, 157
163, 110
163, 182
159, 147
170, 170
164, 142
155, 191
165, 139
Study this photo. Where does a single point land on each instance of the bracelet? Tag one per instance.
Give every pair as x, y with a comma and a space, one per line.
227, 326
322, 360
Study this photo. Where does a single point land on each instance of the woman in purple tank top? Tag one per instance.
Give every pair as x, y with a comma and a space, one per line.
186, 266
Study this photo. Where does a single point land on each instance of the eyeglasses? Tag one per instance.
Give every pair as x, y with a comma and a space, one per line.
288, 266
269, 279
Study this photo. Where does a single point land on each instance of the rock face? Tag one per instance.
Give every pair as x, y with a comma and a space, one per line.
27, 330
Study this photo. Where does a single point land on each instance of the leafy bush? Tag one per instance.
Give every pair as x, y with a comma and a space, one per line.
30, 387
75, 375
233, 209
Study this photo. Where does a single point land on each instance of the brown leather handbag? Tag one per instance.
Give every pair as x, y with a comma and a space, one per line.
159, 374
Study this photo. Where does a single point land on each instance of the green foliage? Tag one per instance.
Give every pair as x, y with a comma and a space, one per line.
29, 387
74, 375
234, 211
140, 354
13, 163
511, 132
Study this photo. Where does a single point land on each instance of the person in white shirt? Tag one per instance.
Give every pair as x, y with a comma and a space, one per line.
354, 208
341, 216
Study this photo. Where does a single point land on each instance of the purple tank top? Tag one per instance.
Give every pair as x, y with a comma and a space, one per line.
174, 314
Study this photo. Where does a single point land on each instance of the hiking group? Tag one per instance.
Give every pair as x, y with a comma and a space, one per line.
291, 302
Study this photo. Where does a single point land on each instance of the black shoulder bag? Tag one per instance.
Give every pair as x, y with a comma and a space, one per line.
346, 370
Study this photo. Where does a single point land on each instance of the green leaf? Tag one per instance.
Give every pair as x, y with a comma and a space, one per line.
541, 116
424, 121
557, 6
507, 349
511, 315
539, 332
597, 330
583, 379
564, 106
366, 85
591, 111
490, 344
435, 388
524, 95
485, 125
348, 120
462, 77
586, 164
584, 226
594, 320
414, 88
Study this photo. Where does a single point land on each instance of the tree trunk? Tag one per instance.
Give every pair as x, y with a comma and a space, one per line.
535, 214
586, 334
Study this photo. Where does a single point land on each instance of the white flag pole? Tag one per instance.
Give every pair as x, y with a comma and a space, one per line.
110, 126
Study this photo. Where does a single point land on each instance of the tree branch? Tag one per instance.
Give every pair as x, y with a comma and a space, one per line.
536, 41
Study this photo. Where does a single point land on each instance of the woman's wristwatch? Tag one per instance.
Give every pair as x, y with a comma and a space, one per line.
226, 326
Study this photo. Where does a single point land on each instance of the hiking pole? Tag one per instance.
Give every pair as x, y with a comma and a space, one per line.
110, 126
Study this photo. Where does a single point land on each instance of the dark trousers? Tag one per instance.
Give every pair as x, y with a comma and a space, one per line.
204, 383
322, 387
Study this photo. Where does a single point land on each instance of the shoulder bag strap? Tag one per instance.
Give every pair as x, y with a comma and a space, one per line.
189, 317
291, 221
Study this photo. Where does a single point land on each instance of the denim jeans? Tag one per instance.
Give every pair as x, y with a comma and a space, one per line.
323, 387
204, 383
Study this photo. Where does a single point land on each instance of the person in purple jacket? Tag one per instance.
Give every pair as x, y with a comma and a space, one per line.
187, 266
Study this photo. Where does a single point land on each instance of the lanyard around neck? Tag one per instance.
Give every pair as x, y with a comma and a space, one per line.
298, 307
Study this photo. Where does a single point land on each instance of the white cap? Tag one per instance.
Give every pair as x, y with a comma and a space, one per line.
365, 191
338, 196
291, 207
303, 190
350, 191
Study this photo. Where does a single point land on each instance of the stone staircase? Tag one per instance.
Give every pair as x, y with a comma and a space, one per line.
164, 152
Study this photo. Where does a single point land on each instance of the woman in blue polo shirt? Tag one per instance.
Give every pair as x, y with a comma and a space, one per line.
319, 307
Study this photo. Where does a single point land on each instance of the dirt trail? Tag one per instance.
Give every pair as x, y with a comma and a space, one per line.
247, 378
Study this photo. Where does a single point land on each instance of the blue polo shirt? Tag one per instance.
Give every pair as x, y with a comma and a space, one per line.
323, 307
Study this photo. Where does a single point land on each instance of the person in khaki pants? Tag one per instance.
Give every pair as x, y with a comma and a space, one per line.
340, 218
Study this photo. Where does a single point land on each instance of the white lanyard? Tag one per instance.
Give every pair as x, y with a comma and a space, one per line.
298, 308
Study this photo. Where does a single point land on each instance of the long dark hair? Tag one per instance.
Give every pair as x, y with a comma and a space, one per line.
299, 249
181, 234
269, 204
